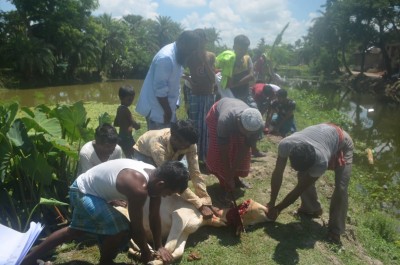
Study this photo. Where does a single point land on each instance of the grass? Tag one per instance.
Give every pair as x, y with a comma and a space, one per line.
371, 237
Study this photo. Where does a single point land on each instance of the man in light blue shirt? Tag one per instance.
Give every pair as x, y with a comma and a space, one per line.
160, 91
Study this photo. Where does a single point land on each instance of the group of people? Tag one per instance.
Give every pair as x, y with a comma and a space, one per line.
225, 122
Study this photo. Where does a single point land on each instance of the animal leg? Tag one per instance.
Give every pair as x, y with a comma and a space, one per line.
180, 246
179, 223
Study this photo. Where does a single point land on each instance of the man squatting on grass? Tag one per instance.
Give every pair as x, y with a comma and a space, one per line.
172, 144
311, 152
120, 179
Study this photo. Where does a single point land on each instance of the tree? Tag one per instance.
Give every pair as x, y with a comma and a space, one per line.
213, 39
115, 34
167, 30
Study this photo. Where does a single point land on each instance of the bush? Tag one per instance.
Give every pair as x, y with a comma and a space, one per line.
383, 225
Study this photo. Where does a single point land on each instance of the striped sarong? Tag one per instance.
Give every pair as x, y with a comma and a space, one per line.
198, 109
95, 215
214, 163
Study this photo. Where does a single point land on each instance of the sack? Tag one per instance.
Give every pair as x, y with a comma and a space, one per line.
224, 92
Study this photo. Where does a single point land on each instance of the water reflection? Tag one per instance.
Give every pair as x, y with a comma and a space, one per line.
378, 129
105, 92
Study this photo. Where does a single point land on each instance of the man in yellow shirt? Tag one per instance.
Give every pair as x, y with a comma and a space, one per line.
157, 146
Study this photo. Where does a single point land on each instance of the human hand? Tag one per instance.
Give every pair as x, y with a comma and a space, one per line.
165, 255
167, 116
136, 126
206, 212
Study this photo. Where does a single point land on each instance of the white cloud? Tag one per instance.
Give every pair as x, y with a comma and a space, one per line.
255, 18
186, 3
119, 8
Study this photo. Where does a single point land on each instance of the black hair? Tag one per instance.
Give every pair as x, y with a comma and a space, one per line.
187, 42
188, 38
186, 130
282, 93
174, 174
106, 134
268, 90
201, 34
241, 40
125, 91
302, 156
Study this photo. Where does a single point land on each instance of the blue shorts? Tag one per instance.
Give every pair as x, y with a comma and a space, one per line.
95, 215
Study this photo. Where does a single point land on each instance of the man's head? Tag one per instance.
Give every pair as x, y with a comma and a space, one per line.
281, 95
106, 138
302, 156
171, 177
251, 121
268, 91
201, 34
126, 94
186, 44
241, 45
183, 134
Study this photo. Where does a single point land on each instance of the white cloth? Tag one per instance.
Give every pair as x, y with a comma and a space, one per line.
275, 88
88, 157
162, 80
101, 180
224, 92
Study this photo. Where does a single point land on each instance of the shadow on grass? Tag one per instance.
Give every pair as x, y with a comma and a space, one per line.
293, 236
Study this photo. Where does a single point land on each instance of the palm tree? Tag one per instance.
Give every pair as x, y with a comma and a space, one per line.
113, 41
30, 56
167, 30
84, 52
213, 38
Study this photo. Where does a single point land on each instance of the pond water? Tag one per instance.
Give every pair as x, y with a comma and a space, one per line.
375, 122
105, 92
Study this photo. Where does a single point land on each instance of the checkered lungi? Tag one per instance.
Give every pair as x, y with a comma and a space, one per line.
214, 163
198, 109
95, 215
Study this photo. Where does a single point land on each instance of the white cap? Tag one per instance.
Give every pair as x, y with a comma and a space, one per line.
251, 119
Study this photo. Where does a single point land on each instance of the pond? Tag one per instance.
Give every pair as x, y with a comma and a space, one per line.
105, 92
374, 122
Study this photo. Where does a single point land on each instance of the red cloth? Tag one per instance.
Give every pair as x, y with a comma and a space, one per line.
258, 92
213, 162
338, 159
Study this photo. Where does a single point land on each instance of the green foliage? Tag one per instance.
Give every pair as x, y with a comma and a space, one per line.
38, 157
60, 41
383, 225
349, 27
313, 108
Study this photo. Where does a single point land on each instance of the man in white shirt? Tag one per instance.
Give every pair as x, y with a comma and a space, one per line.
160, 91
102, 149
120, 179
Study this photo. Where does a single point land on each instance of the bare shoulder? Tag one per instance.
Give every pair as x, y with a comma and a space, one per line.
132, 183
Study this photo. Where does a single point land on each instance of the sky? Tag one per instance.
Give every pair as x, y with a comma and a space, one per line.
255, 18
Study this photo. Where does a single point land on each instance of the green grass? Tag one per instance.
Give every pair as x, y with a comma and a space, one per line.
371, 237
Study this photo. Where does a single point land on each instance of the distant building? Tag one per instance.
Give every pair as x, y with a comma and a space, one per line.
374, 58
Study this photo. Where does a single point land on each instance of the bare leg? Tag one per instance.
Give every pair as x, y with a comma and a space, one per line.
63, 235
110, 247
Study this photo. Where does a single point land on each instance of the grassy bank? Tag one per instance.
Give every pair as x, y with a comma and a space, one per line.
371, 237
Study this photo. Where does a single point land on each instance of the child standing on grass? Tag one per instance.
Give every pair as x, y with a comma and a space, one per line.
125, 121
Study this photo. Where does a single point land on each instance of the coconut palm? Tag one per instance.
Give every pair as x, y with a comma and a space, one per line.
167, 30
